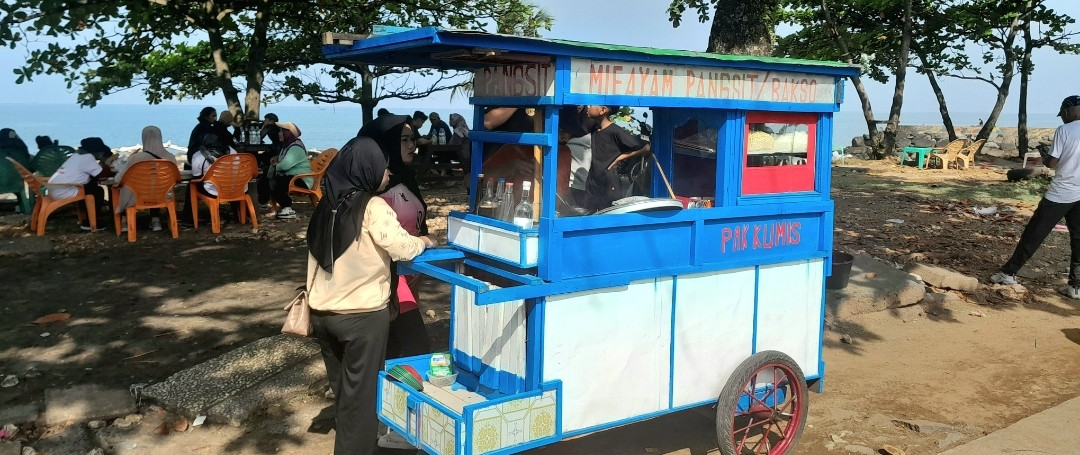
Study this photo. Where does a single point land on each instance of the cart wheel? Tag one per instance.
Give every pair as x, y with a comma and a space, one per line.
762, 409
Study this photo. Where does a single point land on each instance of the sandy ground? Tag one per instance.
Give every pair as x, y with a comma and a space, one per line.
980, 362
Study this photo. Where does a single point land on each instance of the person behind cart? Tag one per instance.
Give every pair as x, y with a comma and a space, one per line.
352, 238
416, 122
215, 145
85, 167
152, 149
206, 119
611, 145
1062, 200
291, 161
408, 335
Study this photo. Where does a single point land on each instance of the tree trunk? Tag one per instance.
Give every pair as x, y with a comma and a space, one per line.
256, 61
367, 93
901, 78
943, 108
1025, 74
860, 89
221, 68
1007, 73
743, 27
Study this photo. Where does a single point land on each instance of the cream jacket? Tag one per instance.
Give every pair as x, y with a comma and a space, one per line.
361, 279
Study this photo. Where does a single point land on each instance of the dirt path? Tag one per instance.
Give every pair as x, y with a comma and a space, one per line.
982, 361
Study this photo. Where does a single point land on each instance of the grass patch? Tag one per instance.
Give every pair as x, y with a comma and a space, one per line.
1029, 191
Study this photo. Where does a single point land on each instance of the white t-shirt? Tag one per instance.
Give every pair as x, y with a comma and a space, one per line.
1065, 188
199, 166
79, 169
580, 160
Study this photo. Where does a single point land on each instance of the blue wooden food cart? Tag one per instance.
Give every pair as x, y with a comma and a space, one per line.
586, 322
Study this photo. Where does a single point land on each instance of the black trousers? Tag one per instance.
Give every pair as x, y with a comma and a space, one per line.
1046, 216
279, 189
353, 346
95, 189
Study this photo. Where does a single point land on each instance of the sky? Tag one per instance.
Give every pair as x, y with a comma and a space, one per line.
645, 23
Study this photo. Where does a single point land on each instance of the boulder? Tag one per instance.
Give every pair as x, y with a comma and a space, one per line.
924, 141
944, 278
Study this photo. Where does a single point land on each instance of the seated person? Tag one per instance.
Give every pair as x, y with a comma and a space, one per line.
214, 147
89, 163
152, 149
290, 162
439, 134
17, 149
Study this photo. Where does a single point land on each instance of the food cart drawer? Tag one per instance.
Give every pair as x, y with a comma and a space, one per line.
494, 239
455, 420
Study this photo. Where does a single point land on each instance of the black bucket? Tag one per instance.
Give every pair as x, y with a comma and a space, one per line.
841, 270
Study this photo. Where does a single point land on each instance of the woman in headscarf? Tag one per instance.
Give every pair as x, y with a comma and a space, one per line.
17, 149
352, 239
152, 149
291, 161
207, 117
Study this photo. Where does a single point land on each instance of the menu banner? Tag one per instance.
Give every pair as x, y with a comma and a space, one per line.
605, 77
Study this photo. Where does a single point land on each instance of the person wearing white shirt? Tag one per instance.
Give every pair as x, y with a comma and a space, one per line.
1062, 200
88, 164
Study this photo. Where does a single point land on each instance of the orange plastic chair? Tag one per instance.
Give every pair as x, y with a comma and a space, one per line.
45, 204
230, 174
967, 154
318, 170
152, 181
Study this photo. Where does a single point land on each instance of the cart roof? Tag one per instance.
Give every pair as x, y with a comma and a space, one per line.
433, 47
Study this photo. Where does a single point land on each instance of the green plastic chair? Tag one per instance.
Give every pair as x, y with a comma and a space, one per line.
49, 159
12, 182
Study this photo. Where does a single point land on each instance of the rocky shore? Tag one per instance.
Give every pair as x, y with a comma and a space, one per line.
1002, 142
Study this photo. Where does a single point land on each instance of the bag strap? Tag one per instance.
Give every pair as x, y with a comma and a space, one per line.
303, 292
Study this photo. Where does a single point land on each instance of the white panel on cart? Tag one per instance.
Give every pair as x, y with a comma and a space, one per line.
611, 348
466, 235
789, 311
714, 331
495, 334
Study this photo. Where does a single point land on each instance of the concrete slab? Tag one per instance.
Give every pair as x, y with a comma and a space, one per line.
874, 285
294, 381
71, 440
1052, 431
20, 413
86, 402
944, 278
196, 390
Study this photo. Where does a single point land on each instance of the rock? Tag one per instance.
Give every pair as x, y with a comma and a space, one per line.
991, 145
925, 426
837, 439
71, 440
133, 418
95, 424
96, 451
86, 402
924, 141
20, 413
180, 425
890, 450
10, 381
28, 451
121, 423
10, 448
846, 339
944, 278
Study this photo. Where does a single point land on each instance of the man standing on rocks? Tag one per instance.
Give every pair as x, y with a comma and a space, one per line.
1062, 200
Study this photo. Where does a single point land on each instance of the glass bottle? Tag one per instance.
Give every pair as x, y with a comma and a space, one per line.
523, 213
475, 199
488, 205
506, 205
500, 189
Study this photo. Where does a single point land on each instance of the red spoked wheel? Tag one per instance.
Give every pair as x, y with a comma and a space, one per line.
762, 409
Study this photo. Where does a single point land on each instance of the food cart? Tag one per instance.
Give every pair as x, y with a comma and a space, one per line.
581, 323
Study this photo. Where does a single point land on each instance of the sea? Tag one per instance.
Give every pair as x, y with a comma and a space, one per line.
327, 125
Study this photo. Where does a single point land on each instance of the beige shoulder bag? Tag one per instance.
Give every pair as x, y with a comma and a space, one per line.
298, 321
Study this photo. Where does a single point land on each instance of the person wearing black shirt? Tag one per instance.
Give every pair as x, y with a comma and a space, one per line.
611, 144
207, 117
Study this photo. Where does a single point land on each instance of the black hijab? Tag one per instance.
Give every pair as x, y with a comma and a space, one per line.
386, 131
351, 180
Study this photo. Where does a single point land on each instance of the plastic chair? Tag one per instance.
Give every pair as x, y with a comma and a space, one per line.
46, 204
967, 154
12, 182
153, 182
318, 170
230, 174
946, 154
49, 159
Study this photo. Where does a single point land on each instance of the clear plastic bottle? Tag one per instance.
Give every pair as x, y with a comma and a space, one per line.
488, 206
506, 205
523, 213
